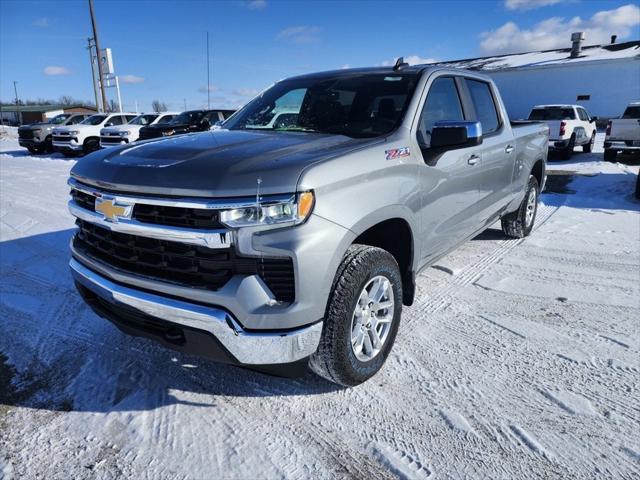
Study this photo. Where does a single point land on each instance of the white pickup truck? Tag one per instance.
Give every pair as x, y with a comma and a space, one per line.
85, 136
623, 134
130, 132
569, 126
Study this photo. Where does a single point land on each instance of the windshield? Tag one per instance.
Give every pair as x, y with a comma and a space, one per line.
143, 120
187, 118
632, 112
58, 119
554, 113
93, 120
358, 105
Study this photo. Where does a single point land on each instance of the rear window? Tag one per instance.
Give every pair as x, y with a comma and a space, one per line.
632, 112
484, 105
552, 113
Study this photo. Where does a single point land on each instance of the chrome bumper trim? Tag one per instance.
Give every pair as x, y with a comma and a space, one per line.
620, 145
205, 238
249, 348
218, 204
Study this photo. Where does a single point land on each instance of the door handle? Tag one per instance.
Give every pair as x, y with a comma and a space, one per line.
508, 149
473, 159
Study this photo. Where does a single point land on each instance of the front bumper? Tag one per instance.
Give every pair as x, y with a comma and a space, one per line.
72, 146
621, 146
29, 143
192, 328
107, 142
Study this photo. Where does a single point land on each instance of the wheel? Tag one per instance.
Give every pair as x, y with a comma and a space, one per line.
362, 317
610, 155
32, 150
567, 152
90, 145
48, 145
587, 148
520, 223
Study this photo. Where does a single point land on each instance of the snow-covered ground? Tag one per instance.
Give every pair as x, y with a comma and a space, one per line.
519, 359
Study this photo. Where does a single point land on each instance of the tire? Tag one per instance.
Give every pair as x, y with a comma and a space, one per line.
610, 155
48, 145
336, 359
568, 152
90, 145
32, 150
520, 223
588, 148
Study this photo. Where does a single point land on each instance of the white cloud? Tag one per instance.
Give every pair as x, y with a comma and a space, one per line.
345, 66
41, 22
556, 32
529, 4
301, 34
53, 70
411, 60
210, 88
131, 79
246, 92
255, 4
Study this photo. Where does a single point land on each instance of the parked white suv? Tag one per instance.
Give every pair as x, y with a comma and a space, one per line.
85, 136
569, 126
623, 134
129, 132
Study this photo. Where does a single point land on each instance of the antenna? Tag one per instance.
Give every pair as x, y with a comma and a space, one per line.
399, 64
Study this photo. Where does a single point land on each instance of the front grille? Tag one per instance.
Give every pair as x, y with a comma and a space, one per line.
177, 216
184, 264
160, 215
114, 140
25, 134
84, 200
60, 138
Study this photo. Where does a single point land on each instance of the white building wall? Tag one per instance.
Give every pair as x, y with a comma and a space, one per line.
612, 84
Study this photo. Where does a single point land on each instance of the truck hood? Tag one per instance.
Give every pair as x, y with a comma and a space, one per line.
77, 126
34, 126
120, 128
220, 164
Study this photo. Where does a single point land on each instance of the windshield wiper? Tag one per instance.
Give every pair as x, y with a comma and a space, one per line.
296, 129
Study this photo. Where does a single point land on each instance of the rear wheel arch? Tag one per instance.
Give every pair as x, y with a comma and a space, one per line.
538, 171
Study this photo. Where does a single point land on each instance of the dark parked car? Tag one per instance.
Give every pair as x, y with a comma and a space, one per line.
186, 122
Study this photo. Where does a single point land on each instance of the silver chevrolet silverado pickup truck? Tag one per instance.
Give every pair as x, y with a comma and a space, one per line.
271, 244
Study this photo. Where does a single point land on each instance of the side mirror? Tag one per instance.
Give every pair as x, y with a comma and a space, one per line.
451, 135
108, 124
206, 125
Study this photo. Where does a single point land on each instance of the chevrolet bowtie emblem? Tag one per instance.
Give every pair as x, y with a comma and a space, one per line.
112, 210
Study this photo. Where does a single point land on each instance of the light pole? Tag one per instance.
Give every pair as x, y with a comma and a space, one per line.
98, 54
18, 114
208, 76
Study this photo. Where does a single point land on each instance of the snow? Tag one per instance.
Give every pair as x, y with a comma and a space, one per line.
550, 57
519, 359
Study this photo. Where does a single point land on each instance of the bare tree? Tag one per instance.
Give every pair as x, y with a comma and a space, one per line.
66, 100
159, 106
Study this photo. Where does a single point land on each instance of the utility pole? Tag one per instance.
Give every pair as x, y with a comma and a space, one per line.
15, 89
208, 76
93, 74
97, 44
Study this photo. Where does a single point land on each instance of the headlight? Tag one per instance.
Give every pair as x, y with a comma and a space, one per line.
293, 211
74, 132
168, 133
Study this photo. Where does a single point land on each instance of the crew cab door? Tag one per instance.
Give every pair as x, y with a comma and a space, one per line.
497, 151
449, 180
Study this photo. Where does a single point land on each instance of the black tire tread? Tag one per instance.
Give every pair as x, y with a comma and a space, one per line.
514, 224
327, 360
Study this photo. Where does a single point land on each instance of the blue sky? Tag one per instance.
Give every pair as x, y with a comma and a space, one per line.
159, 46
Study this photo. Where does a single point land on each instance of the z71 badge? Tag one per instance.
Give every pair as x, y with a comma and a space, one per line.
395, 153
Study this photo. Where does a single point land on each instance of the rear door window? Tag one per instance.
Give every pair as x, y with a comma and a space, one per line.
552, 113
484, 105
442, 103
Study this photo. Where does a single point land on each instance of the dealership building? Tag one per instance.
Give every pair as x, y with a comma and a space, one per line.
602, 78
24, 114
